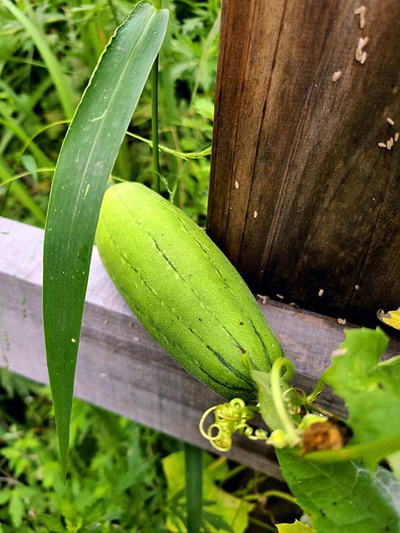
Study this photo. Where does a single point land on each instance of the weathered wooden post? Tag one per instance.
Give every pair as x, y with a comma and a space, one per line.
305, 181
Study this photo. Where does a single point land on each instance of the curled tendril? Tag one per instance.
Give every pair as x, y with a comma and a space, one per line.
230, 417
294, 409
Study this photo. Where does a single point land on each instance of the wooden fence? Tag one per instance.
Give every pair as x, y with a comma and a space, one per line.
303, 200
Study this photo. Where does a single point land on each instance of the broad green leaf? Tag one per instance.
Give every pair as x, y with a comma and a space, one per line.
343, 496
370, 389
297, 527
220, 507
83, 169
392, 318
16, 508
52, 523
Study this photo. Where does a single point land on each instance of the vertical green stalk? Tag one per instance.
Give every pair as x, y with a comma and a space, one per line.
154, 114
194, 487
154, 122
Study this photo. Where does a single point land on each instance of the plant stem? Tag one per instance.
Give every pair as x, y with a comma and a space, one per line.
261, 525
318, 388
270, 494
284, 417
157, 4
194, 487
154, 123
380, 447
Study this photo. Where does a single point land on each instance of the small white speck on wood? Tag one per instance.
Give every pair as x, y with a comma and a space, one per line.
336, 75
396, 137
356, 287
390, 143
236, 185
320, 292
382, 145
390, 121
361, 11
255, 214
339, 351
341, 321
280, 296
360, 55
263, 298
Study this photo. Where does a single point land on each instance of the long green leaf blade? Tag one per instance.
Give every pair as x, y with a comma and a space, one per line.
83, 168
194, 487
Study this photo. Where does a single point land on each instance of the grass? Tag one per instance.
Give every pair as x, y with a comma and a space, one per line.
47, 52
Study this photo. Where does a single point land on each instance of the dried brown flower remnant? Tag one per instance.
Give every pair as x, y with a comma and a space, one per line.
330, 434
322, 436
361, 11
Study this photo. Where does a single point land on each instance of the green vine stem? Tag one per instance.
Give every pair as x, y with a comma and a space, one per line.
271, 494
382, 447
279, 364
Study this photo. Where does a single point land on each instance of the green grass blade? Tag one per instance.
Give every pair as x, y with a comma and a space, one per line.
60, 81
194, 487
182, 155
82, 172
18, 190
12, 125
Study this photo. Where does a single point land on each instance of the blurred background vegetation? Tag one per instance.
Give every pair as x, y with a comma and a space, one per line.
48, 50
123, 477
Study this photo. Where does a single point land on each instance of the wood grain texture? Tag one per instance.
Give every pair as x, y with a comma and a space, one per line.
121, 368
302, 198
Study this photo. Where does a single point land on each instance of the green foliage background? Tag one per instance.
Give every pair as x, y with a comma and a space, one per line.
75, 33
116, 481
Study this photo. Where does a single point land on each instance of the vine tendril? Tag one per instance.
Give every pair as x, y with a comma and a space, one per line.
230, 418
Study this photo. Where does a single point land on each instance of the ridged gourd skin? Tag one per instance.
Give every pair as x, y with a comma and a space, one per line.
184, 290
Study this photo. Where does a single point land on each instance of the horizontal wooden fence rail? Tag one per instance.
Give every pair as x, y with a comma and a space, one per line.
120, 367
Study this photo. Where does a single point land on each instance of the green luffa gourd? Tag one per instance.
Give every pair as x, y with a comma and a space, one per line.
184, 290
